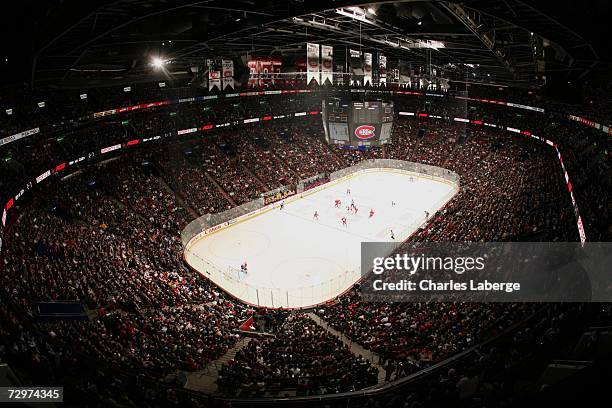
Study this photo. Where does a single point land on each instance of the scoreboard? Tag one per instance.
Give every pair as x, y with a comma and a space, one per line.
355, 124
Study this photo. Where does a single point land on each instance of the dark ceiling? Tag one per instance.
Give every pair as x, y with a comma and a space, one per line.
74, 42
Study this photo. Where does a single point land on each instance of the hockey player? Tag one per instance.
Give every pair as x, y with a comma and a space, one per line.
371, 212
344, 222
392, 235
315, 216
337, 203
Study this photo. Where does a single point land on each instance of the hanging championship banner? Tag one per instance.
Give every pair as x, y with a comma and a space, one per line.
312, 61
214, 74
327, 52
253, 73
382, 69
367, 68
214, 80
356, 68
404, 74
228, 73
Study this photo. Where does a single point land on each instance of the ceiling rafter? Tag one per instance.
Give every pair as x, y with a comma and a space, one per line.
125, 33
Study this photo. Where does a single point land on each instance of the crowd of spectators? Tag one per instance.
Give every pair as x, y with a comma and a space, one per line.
25, 159
187, 176
303, 356
82, 243
502, 198
412, 336
587, 155
108, 236
268, 167
222, 163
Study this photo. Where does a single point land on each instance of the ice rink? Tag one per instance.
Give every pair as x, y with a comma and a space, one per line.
295, 260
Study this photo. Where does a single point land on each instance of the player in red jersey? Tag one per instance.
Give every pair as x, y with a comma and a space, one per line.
337, 203
344, 222
371, 212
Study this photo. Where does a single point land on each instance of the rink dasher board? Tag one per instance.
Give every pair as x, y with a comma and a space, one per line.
245, 217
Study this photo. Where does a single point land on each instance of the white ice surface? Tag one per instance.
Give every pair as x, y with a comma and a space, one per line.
296, 261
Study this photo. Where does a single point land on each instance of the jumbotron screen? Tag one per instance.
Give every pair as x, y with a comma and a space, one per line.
354, 124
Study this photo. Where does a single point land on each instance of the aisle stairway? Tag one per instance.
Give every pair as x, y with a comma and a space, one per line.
259, 181
373, 358
221, 189
177, 196
205, 380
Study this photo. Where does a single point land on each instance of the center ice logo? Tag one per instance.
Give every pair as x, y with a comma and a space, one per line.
365, 132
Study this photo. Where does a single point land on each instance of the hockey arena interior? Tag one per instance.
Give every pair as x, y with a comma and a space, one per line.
187, 190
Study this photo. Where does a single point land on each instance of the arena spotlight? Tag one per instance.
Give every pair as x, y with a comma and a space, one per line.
157, 62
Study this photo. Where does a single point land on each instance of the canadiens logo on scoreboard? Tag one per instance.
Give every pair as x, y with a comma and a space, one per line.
364, 132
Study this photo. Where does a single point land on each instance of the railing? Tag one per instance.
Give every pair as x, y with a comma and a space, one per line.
421, 170
232, 280
203, 223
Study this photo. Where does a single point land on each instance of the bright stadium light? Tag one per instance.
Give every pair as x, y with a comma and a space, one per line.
157, 62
